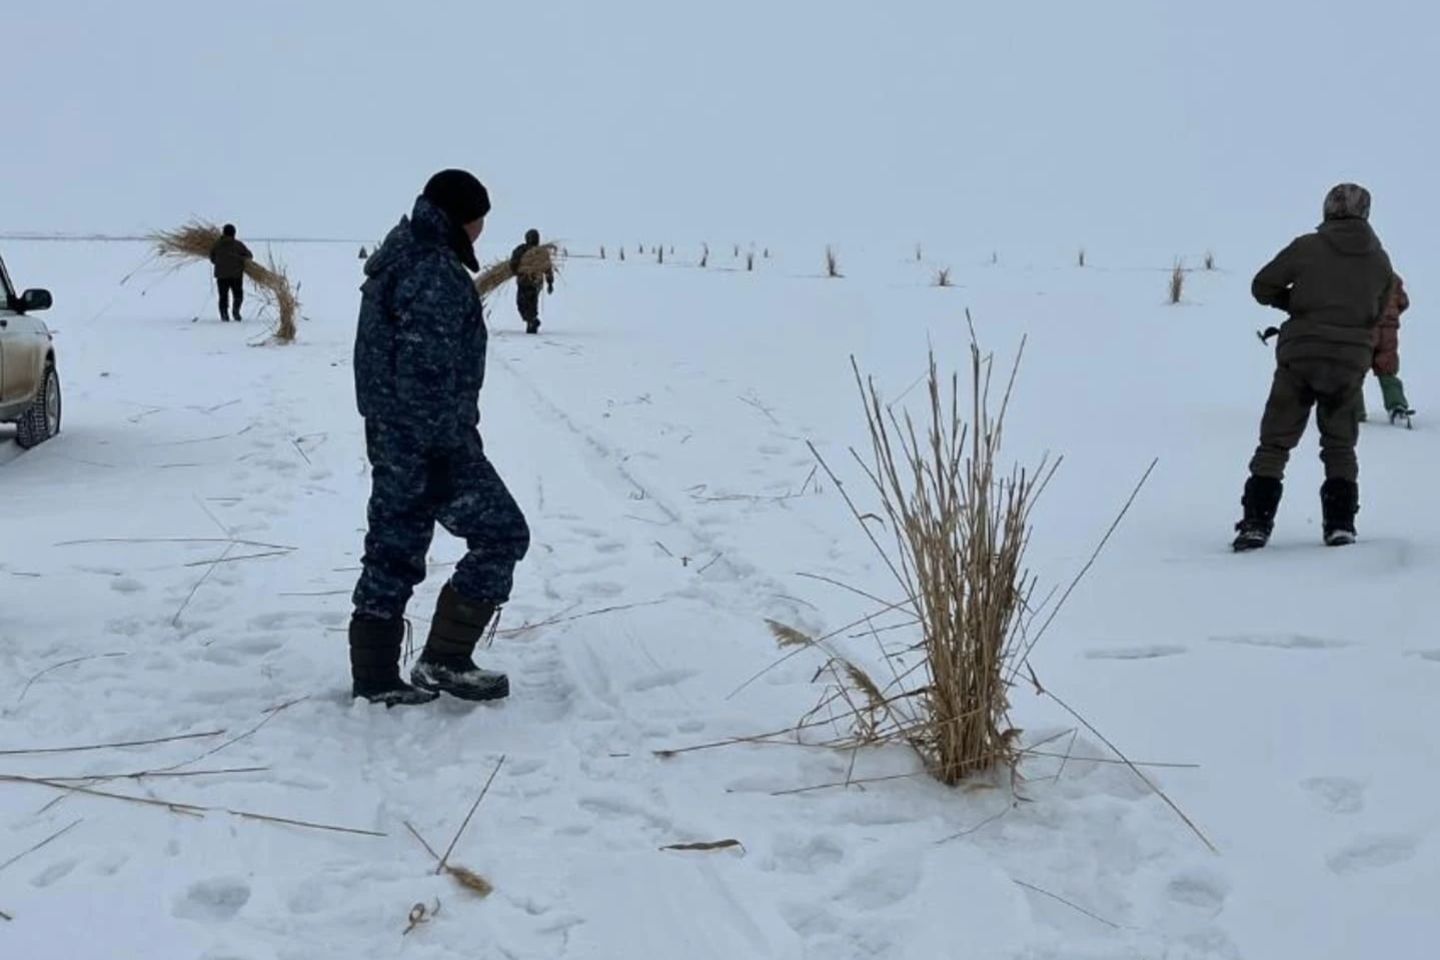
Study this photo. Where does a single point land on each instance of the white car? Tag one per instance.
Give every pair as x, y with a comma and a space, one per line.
29, 383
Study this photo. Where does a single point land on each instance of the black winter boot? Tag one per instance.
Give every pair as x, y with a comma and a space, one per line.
375, 663
1339, 502
1261, 500
446, 665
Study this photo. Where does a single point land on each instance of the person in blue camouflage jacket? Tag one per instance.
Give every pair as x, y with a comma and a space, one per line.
419, 365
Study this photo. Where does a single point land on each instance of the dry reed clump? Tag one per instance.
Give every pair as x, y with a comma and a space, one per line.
1209, 260
704, 255
1177, 282
1080, 258
602, 252
961, 526
660, 255
622, 253
750, 261
534, 265
194, 240
832, 264
942, 277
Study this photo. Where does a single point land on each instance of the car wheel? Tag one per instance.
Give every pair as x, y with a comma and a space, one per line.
42, 420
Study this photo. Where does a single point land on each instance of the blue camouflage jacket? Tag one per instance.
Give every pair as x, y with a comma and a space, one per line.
420, 344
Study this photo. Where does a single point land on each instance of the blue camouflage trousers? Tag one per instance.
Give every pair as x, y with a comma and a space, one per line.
413, 489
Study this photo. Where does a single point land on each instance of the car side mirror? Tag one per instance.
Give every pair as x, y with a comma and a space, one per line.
32, 300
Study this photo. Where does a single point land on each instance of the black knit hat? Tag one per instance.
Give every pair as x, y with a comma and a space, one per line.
459, 194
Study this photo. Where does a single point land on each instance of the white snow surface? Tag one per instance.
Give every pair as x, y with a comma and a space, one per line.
178, 562
655, 436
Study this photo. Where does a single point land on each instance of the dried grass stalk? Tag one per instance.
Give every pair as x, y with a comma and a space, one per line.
787, 636
535, 265
1177, 283
832, 264
942, 277
470, 880
960, 527
271, 280
706, 846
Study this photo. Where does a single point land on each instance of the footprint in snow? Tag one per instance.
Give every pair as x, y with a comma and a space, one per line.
1135, 653
794, 853
1336, 794
1201, 891
664, 678
1283, 641
1373, 853
56, 871
620, 808
213, 900
883, 885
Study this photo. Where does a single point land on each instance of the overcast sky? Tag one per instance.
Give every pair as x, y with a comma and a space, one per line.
1140, 129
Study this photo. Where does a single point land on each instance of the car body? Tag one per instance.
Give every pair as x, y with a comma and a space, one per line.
29, 379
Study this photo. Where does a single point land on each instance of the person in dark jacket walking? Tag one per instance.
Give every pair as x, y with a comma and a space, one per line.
1333, 283
229, 256
528, 282
419, 366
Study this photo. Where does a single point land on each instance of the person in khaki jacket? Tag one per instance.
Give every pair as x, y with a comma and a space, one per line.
1333, 283
229, 256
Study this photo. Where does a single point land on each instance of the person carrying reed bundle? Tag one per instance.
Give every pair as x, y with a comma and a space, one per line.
529, 278
419, 365
229, 256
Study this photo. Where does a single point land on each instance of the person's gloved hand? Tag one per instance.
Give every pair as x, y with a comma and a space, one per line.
550, 288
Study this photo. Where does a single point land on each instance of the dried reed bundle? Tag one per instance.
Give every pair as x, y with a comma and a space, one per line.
960, 527
1176, 291
271, 280
535, 264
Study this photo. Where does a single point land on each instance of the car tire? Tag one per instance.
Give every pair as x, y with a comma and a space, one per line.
42, 420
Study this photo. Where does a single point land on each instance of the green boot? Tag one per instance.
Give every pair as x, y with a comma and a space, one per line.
1393, 390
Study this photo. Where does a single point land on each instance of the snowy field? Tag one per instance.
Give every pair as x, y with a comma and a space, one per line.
175, 568
178, 562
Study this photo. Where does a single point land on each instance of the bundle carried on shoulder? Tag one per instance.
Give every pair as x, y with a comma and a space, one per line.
194, 241
537, 263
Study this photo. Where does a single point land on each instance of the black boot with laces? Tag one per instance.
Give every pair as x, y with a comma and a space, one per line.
446, 666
